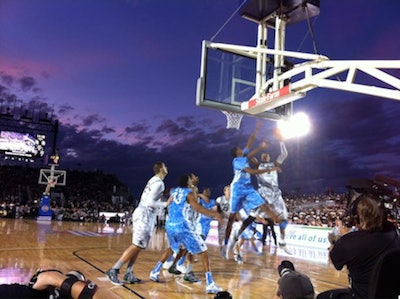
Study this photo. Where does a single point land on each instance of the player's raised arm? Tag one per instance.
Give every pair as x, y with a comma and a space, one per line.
253, 136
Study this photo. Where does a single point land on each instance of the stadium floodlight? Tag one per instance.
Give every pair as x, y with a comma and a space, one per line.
297, 125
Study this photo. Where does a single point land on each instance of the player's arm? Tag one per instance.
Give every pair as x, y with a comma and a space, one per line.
283, 155
254, 162
192, 200
254, 152
153, 197
253, 136
253, 171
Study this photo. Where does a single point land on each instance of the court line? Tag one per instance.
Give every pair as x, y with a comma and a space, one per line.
75, 253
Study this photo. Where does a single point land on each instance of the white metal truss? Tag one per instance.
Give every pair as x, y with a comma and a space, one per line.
314, 71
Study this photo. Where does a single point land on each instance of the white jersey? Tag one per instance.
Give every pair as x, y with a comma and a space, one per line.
144, 216
224, 204
268, 186
152, 194
268, 179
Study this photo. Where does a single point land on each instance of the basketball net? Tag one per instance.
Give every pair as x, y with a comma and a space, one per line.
233, 119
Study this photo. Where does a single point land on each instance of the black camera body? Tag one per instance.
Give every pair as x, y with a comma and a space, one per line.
381, 188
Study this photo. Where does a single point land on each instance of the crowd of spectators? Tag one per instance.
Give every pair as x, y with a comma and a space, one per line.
87, 194
82, 199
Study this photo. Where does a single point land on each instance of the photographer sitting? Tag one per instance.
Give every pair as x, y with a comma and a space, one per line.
360, 249
293, 284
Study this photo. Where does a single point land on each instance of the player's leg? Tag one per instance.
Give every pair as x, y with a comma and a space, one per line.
237, 256
178, 258
154, 274
196, 245
280, 212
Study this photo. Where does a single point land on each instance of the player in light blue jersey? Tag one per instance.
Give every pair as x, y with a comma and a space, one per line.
210, 204
182, 229
243, 193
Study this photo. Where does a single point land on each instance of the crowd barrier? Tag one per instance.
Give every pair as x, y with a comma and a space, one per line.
302, 241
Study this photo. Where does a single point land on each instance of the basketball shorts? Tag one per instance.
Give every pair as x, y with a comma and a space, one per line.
182, 236
245, 197
273, 198
143, 222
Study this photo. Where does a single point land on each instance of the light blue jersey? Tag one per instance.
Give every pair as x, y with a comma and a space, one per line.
205, 221
182, 224
240, 176
180, 212
243, 194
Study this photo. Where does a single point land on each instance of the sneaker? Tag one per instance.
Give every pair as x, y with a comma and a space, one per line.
282, 242
190, 277
173, 270
154, 276
238, 258
130, 278
181, 268
112, 275
213, 288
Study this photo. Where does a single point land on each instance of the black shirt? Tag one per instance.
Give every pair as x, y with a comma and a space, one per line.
359, 251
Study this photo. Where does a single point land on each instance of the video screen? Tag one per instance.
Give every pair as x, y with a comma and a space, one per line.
22, 144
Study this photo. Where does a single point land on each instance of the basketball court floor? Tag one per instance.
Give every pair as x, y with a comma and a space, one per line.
93, 248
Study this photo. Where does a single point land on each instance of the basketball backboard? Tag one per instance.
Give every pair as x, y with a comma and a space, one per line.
228, 79
47, 175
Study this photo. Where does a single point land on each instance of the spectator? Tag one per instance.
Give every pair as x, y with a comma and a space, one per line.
360, 249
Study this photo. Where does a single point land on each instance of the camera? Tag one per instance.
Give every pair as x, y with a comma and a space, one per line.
382, 188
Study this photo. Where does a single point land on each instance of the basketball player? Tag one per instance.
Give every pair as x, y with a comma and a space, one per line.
204, 226
243, 194
183, 231
143, 219
210, 204
223, 208
268, 186
174, 261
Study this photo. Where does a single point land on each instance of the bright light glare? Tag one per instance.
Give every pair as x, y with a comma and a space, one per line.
298, 125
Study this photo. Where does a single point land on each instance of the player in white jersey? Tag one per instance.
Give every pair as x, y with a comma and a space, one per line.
223, 208
182, 229
143, 219
268, 186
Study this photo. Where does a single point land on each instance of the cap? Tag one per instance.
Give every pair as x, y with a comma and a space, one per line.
285, 265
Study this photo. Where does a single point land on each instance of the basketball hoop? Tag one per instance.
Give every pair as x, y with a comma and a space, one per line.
233, 119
